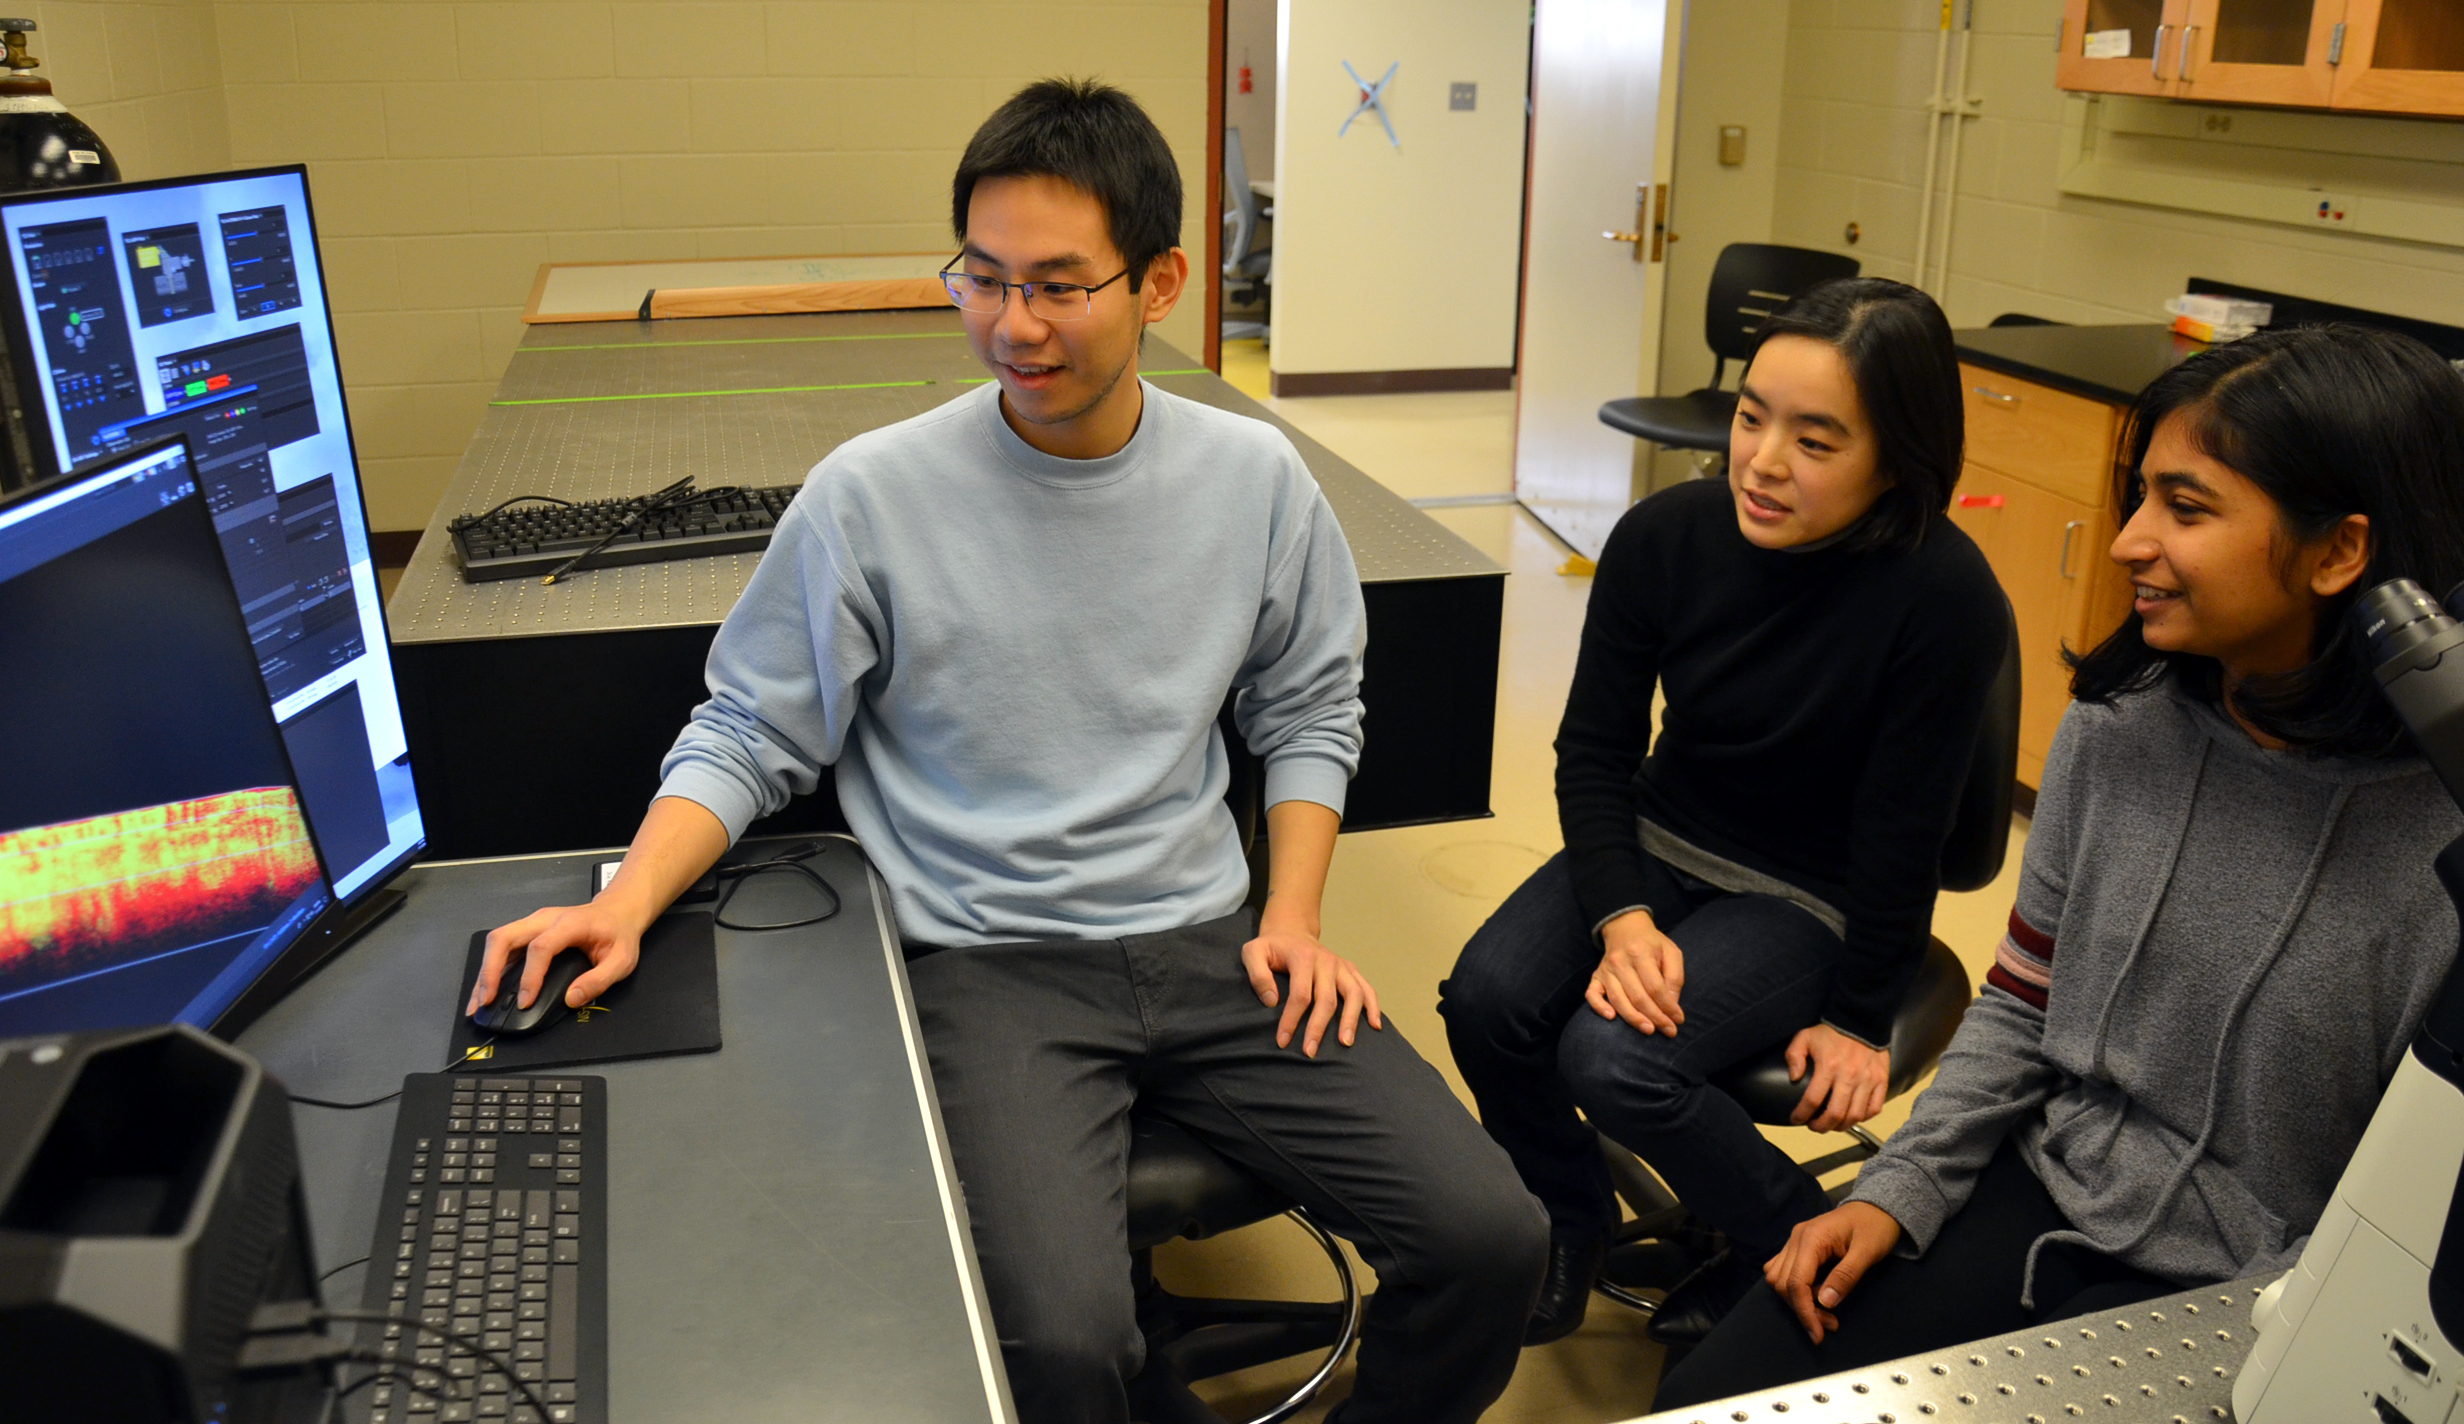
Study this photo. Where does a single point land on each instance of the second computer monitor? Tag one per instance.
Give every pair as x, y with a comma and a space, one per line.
196, 307
154, 861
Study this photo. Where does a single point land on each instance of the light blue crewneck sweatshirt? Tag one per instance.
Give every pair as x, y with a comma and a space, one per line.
1015, 662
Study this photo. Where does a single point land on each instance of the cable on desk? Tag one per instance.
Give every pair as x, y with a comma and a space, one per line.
472, 1343
466, 1056
338, 1270
790, 859
680, 495
465, 521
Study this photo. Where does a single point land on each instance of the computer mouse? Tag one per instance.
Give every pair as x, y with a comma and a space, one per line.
505, 1016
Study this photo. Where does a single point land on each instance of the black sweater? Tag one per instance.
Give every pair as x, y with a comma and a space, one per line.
1822, 710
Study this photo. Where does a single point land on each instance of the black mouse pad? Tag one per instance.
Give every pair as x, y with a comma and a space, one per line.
669, 1004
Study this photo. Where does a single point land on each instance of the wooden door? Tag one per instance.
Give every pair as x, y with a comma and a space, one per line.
2259, 51
1603, 139
2402, 57
2121, 46
2039, 545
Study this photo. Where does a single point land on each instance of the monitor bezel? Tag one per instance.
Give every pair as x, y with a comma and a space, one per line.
307, 947
41, 441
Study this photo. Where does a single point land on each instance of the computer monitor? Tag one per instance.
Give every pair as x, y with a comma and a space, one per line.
156, 863
196, 307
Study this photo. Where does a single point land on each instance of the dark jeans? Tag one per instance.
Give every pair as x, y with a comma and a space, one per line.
1756, 971
1965, 1288
1039, 1050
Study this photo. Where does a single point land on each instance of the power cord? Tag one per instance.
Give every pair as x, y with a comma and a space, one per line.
408, 1375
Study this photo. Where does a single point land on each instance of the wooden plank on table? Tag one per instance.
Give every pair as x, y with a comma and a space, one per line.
613, 291
891, 295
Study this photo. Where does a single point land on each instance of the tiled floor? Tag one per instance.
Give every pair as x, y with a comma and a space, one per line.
1401, 903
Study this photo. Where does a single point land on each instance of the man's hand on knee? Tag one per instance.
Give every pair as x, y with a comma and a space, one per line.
1324, 984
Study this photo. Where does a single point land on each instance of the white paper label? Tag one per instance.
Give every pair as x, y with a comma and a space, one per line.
2108, 44
84, 155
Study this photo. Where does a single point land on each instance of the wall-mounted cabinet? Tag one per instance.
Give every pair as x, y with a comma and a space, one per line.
2381, 56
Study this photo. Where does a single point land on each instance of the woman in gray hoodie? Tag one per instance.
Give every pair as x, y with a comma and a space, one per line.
2227, 928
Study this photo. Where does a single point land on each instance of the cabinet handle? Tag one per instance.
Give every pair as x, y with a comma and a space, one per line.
1994, 395
2156, 61
2069, 529
2181, 62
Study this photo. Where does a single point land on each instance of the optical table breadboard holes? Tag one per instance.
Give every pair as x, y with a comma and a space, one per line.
578, 449
2165, 1361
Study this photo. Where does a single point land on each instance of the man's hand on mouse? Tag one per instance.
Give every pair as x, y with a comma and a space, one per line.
678, 841
612, 941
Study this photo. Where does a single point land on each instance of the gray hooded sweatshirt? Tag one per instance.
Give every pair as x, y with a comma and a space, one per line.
2218, 956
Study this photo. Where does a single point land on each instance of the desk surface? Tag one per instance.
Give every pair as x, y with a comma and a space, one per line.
586, 411
2165, 1361
785, 1238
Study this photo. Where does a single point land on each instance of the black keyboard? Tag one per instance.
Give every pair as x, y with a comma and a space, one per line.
531, 540
491, 1227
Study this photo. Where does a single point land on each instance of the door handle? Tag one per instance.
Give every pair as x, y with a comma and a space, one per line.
1994, 395
2068, 530
2156, 61
2181, 62
1649, 227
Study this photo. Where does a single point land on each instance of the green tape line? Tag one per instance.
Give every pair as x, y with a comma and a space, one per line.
680, 395
1192, 371
744, 341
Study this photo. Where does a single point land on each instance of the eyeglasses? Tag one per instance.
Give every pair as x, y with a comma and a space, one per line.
801, 898
1052, 301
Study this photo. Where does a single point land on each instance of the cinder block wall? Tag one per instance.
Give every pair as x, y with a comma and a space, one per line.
1852, 148
452, 148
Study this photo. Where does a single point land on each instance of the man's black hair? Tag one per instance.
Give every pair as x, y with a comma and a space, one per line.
1094, 138
2328, 421
1898, 348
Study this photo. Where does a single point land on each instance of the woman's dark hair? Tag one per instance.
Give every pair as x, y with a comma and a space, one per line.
2329, 421
1898, 348
1094, 138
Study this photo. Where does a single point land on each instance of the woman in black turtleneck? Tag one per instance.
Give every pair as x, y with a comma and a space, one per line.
1824, 638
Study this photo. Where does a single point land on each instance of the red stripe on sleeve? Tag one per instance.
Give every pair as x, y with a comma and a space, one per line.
2016, 987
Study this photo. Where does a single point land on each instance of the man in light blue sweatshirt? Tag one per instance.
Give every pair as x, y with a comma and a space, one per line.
1009, 624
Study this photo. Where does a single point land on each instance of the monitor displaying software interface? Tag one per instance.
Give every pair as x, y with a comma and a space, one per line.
196, 307
154, 856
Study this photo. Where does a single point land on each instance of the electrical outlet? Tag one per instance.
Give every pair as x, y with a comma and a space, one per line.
1462, 97
2332, 209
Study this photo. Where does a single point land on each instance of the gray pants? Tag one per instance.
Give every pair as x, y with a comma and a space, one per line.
1038, 1051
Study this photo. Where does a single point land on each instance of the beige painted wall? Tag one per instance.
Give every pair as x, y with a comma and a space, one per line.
1392, 259
1853, 149
1249, 35
147, 76
454, 148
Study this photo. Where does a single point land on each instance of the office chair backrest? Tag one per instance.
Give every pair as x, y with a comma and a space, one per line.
1980, 836
1241, 205
1749, 282
2023, 319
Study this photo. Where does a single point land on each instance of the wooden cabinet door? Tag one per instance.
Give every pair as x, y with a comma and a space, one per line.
2402, 57
2043, 549
2259, 51
2143, 37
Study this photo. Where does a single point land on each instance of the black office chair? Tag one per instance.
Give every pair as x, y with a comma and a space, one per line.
2023, 319
1750, 280
1664, 1240
1180, 1187
1245, 263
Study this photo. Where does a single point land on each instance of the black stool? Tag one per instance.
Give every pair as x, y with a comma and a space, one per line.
1748, 283
1180, 1187
1665, 1240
